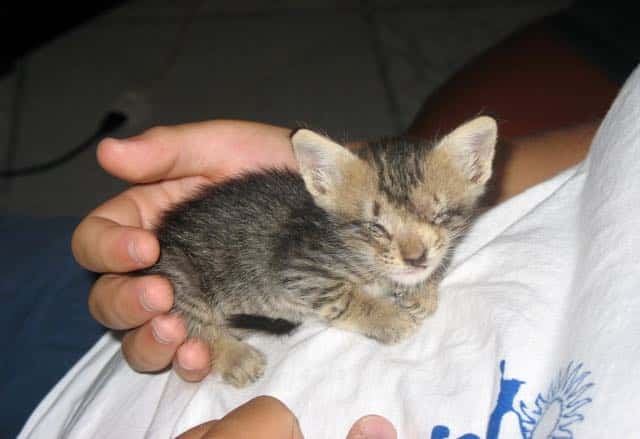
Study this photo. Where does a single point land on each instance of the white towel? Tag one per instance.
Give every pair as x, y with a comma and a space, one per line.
537, 334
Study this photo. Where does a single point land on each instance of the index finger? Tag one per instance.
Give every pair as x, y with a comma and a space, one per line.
115, 237
112, 238
104, 246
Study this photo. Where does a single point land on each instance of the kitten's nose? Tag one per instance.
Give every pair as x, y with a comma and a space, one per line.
416, 261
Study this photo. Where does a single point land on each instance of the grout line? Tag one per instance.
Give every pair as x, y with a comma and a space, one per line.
16, 112
205, 17
369, 16
15, 119
141, 18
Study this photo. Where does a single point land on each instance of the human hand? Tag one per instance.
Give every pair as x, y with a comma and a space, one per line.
267, 418
167, 164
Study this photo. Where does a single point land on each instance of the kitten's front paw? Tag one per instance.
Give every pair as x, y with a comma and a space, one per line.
402, 326
241, 366
418, 306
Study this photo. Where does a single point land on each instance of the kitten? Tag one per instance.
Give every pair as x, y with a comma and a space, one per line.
357, 239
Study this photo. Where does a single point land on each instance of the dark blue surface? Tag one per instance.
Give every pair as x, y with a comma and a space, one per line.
45, 326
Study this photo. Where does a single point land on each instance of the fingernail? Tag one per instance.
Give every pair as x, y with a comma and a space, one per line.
144, 301
160, 332
184, 363
375, 427
186, 366
153, 295
132, 248
116, 144
188, 356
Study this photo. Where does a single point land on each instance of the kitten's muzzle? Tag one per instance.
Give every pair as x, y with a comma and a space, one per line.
419, 261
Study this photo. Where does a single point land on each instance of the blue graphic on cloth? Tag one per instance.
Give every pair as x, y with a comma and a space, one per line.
551, 415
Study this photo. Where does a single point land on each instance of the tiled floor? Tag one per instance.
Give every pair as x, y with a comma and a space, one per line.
354, 69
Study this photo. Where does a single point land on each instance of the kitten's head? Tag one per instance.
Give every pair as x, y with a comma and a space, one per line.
409, 197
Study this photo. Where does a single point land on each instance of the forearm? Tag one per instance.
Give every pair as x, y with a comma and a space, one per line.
527, 161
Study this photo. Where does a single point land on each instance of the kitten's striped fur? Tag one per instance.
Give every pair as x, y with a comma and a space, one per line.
358, 240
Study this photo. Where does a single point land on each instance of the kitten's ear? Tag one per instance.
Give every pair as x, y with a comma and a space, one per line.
321, 161
472, 147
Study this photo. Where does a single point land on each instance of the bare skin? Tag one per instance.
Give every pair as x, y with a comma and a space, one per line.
267, 418
526, 161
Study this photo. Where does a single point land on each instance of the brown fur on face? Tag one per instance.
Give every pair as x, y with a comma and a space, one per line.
418, 196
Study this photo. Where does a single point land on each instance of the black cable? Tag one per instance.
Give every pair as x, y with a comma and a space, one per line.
115, 119
111, 122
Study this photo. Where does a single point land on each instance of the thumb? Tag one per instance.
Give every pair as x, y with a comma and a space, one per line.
263, 417
372, 427
213, 149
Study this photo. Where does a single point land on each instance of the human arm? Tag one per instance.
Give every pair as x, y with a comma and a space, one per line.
526, 161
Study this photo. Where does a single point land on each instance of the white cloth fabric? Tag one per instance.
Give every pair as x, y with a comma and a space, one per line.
549, 282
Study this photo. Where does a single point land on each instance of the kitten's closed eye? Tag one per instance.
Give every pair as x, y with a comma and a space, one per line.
446, 216
378, 231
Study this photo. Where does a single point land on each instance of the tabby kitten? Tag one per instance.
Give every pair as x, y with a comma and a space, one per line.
357, 239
